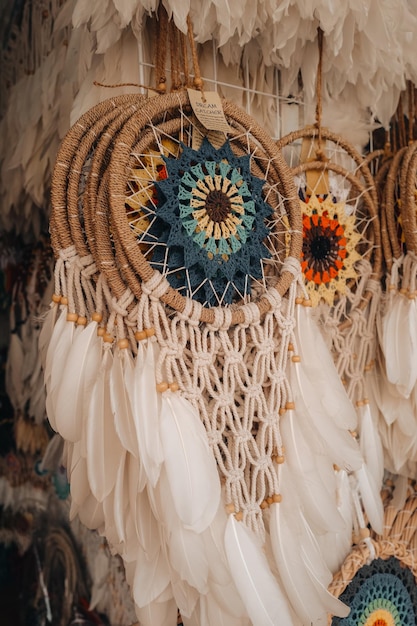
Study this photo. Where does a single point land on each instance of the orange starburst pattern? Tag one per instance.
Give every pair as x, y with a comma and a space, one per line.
329, 248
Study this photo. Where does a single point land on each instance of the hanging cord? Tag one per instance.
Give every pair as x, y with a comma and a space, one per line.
161, 39
319, 103
198, 81
175, 49
401, 123
411, 111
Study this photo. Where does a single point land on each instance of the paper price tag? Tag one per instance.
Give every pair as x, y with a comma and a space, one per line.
209, 111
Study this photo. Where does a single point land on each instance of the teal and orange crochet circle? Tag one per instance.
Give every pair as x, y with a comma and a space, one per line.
212, 216
383, 593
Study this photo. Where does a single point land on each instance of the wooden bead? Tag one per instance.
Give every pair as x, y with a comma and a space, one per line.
161, 387
123, 343
149, 332
296, 358
64, 300
97, 317
277, 497
290, 406
282, 411
100, 331
198, 83
290, 347
239, 516
174, 387
359, 403
140, 335
264, 505
307, 303
56, 298
108, 338
364, 533
81, 321
269, 500
72, 317
230, 508
280, 459
299, 300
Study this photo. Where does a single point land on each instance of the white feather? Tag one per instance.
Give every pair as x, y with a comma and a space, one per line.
91, 513
191, 468
52, 456
104, 450
157, 612
293, 543
371, 498
370, 445
324, 379
186, 552
317, 491
263, 599
151, 577
121, 376
145, 407
147, 526
73, 395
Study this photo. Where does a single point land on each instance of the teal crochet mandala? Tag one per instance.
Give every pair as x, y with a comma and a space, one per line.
381, 594
211, 216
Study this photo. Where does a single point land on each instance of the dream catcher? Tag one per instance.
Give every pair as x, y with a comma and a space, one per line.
394, 386
379, 581
171, 355
341, 263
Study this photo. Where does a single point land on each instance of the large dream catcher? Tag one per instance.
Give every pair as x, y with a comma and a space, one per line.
180, 356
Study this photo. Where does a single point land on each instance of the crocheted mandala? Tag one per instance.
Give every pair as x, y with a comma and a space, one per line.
381, 594
209, 224
329, 242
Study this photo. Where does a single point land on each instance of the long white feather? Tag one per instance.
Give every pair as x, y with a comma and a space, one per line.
104, 450
91, 513
370, 444
147, 526
190, 465
264, 600
216, 614
57, 364
324, 379
81, 370
320, 429
144, 402
371, 498
151, 577
292, 543
157, 612
121, 376
186, 552
318, 496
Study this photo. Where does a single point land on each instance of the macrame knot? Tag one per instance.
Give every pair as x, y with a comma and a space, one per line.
292, 265
251, 314
254, 390
274, 298
191, 312
236, 475
203, 359
233, 358
120, 306
265, 347
87, 265
243, 436
263, 462
156, 286
225, 400
67, 254
222, 319
214, 438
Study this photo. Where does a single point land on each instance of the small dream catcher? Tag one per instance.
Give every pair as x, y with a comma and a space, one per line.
169, 367
379, 582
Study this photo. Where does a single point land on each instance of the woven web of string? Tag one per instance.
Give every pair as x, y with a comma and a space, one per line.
235, 377
142, 208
